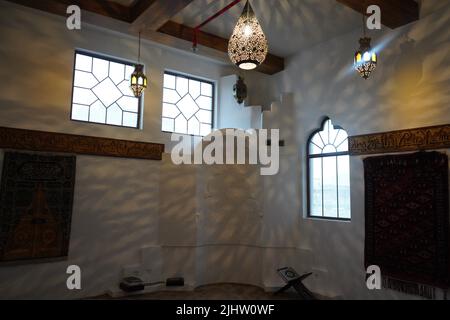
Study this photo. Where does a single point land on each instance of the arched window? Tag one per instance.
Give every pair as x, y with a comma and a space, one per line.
329, 173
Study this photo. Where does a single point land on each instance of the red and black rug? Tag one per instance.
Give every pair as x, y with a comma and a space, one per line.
407, 221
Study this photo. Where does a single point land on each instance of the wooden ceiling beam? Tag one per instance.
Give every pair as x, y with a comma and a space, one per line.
394, 13
153, 14
150, 14
49, 6
169, 34
140, 7
102, 7
271, 65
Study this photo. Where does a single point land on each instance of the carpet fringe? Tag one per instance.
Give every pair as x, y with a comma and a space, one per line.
411, 288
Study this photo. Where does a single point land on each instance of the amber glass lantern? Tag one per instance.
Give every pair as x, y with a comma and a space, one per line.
365, 61
365, 58
138, 79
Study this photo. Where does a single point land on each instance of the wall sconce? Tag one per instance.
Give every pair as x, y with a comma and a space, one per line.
240, 90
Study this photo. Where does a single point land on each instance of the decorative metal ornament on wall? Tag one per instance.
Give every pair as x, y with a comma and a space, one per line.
248, 46
240, 90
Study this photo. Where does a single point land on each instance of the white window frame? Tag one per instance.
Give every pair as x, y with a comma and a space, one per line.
311, 156
193, 78
110, 60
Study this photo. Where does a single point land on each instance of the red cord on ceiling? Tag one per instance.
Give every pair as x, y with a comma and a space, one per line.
218, 14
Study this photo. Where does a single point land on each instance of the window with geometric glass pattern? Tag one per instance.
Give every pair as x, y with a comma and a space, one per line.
188, 105
101, 91
329, 173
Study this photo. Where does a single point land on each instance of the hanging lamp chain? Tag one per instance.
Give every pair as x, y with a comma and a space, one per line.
248, 10
364, 17
139, 50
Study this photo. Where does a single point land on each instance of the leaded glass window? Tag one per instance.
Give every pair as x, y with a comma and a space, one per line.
188, 105
329, 173
101, 91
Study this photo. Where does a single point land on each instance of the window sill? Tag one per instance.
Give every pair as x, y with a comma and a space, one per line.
327, 219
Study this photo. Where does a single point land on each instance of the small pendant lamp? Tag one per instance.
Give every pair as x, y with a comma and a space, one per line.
365, 58
138, 78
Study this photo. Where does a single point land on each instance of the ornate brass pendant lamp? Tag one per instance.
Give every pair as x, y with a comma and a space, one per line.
248, 45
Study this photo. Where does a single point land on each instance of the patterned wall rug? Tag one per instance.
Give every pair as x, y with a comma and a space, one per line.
407, 221
36, 200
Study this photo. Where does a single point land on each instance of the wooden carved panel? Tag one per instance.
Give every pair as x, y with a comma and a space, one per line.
429, 138
20, 139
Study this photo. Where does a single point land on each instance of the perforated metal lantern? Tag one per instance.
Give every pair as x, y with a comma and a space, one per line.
248, 45
240, 90
138, 81
365, 58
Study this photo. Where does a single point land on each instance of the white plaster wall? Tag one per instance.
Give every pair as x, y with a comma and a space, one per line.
37, 57
229, 224
233, 114
128, 214
218, 224
106, 230
154, 215
230, 205
409, 89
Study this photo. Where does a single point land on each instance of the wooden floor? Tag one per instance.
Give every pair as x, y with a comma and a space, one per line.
215, 292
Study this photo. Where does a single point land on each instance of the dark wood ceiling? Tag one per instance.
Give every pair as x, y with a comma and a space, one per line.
154, 16
394, 13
